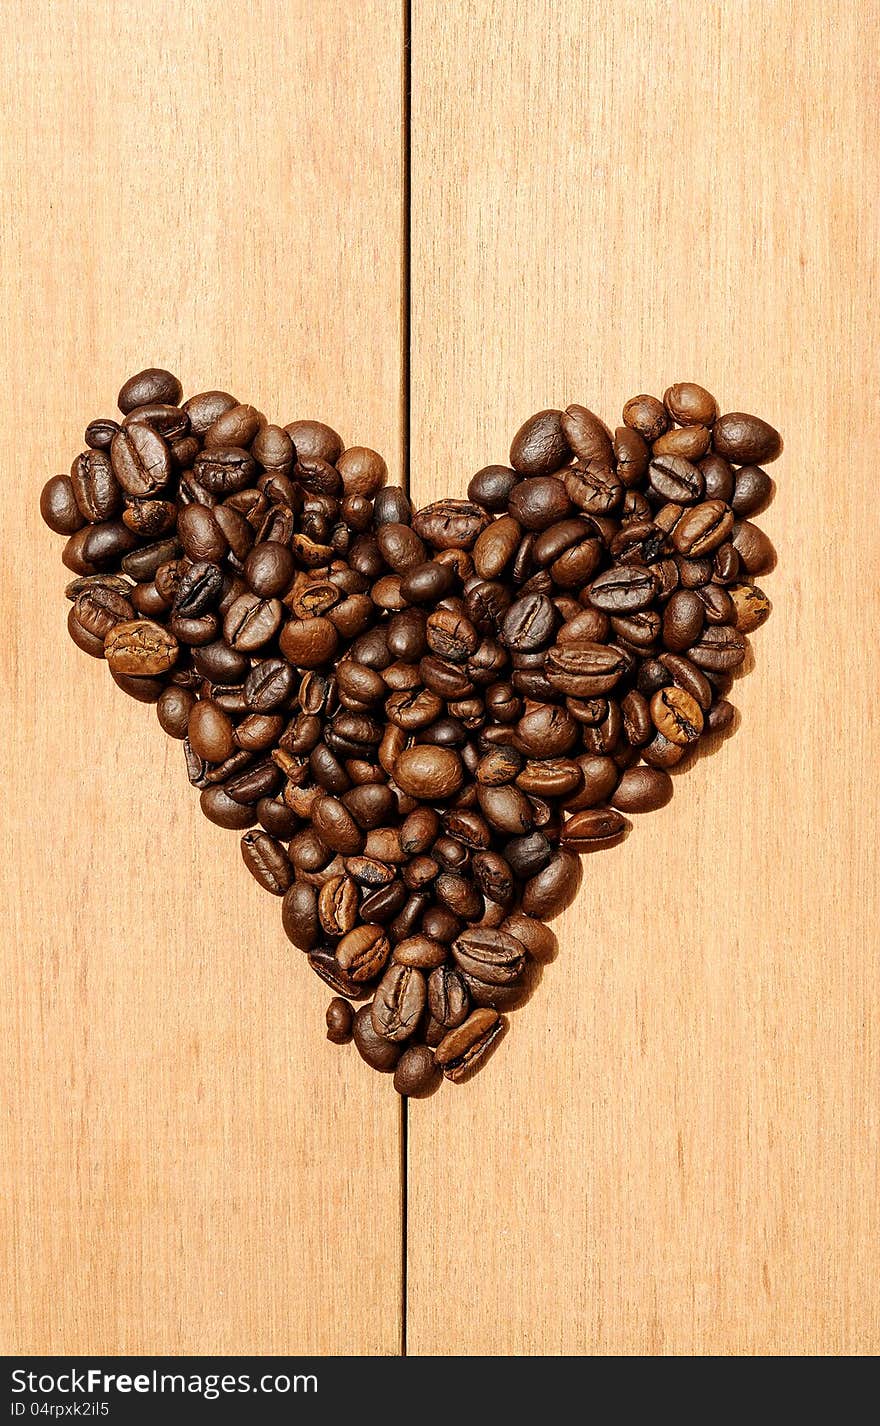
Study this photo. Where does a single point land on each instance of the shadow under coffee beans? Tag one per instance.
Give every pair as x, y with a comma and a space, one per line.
420, 720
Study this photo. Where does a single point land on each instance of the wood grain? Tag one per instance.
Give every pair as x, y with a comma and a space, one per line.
676, 1149
186, 1165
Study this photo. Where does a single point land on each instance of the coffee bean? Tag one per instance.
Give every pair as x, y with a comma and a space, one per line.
553, 888
746, 439
642, 789
489, 956
594, 829
751, 605
461, 1051
416, 1074
363, 951
538, 502
379, 1053
140, 647
674, 478
646, 415
340, 1018
676, 715
753, 547
398, 1003
623, 589
702, 529
429, 772
540, 445
267, 861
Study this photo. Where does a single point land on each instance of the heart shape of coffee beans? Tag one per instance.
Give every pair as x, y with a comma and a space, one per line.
420, 719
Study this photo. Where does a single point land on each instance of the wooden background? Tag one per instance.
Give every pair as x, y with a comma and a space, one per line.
676, 1149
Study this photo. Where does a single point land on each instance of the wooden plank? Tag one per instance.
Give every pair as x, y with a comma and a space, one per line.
187, 1165
676, 1149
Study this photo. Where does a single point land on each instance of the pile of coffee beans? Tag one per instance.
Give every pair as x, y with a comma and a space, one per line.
420, 719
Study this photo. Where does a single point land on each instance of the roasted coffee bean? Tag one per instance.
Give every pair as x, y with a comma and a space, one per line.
682, 620
267, 861
422, 951
379, 1053
745, 439
489, 956
550, 890
538, 502
416, 1074
702, 529
59, 507
429, 772
251, 622
461, 1051
219, 807
753, 547
491, 487
299, 916
584, 670
751, 606
594, 829
340, 1018
363, 951
646, 415
529, 623
540, 445
141, 460
450, 524
642, 789
150, 385
211, 732
95, 487
719, 649
399, 1002
622, 590
674, 478
676, 715
140, 647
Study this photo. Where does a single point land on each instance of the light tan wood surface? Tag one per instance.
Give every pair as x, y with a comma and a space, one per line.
676, 1147
675, 1150
186, 1164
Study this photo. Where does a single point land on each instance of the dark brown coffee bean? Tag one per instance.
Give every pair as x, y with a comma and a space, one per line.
702, 529
623, 589
719, 649
747, 440
379, 1053
416, 1075
539, 501
642, 789
540, 446
99, 433
752, 491
173, 710
96, 548
250, 622
340, 1018
399, 1002
460, 1053
267, 861
549, 891
299, 916
587, 436
646, 415
210, 732
529, 623
219, 807
59, 507
336, 827
422, 951
489, 956
491, 486
363, 951
584, 670
672, 477
450, 524
141, 460
690, 405
682, 620
506, 808
429, 772
594, 829
753, 547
